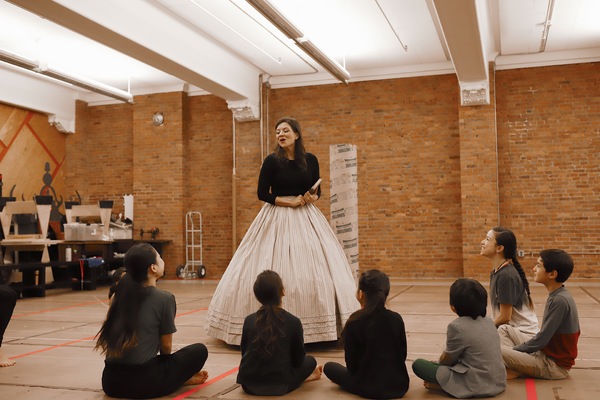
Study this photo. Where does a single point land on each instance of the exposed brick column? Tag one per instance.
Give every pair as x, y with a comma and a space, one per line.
478, 181
158, 173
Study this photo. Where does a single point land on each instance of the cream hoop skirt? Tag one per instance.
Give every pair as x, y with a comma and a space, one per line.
301, 247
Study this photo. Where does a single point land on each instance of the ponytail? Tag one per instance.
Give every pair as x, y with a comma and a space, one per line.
118, 333
519, 269
375, 286
269, 325
268, 289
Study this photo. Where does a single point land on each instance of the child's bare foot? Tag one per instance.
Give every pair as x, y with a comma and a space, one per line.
431, 385
316, 375
510, 374
5, 361
198, 378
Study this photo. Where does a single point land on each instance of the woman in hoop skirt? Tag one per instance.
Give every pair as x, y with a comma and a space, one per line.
290, 236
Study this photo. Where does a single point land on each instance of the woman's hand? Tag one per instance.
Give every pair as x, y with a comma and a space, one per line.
290, 201
310, 198
299, 201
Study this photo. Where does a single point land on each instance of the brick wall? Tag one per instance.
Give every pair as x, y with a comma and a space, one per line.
414, 142
208, 165
99, 161
406, 133
549, 160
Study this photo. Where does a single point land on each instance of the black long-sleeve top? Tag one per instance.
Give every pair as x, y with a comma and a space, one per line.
375, 352
288, 179
273, 375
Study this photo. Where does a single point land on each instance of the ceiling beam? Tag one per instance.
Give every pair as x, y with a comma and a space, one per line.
146, 32
28, 90
460, 24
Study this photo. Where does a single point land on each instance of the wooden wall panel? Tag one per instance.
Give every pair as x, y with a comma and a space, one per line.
32, 153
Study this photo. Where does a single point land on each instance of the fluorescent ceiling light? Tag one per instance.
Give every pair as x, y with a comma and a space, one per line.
284, 25
55, 73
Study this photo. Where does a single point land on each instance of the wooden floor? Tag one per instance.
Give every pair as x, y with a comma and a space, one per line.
51, 339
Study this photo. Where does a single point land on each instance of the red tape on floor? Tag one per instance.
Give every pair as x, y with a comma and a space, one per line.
76, 340
58, 308
53, 347
530, 389
205, 384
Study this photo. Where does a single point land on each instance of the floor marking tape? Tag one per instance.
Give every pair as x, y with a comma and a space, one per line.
191, 312
53, 347
530, 389
58, 308
205, 384
77, 340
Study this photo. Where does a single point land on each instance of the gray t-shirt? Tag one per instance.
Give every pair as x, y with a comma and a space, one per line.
506, 287
156, 318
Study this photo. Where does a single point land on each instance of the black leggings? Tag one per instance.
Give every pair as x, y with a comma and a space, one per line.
299, 375
302, 372
159, 377
340, 375
8, 300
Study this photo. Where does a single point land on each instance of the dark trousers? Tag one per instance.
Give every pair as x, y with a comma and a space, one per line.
339, 375
298, 376
8, 300
159, 377
302, 372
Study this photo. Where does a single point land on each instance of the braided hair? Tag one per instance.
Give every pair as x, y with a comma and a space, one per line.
505, 237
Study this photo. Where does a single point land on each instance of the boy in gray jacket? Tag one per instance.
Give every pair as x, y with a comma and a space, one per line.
471, 365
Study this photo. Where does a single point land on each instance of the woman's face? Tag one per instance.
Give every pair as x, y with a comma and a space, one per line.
488, 245
285, 136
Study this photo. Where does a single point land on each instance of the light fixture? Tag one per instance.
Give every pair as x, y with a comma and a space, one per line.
55, 73
158, 119
281, 22
547, 24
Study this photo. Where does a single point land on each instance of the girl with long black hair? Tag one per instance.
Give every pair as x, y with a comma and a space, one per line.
274, 361
509, 289
374, 344
140, 323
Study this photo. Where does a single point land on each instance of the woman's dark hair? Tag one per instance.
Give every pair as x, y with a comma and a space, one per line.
268, 289
118, 332
376, 287
559, 261
505, 237
468, 297
299, 150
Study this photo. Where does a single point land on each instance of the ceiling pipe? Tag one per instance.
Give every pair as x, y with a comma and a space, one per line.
88, 84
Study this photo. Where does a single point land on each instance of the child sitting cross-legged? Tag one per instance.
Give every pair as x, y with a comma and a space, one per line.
551, 353
374, 345
274, 361
471, 365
